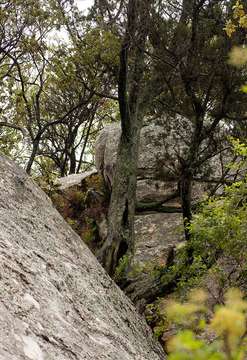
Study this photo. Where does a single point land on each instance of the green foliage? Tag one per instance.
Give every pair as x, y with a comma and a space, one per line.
156, 318
238, 54
9, 139
75, 207
238, 21
218, 247
186, 346
220, 227
105, 50
218, 231
120, 271
49, 88
94, 182
71, 205
88, 235
203, 337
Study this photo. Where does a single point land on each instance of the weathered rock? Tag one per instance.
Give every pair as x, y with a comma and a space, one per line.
106, 152
153, 190
151, 153
156, 235
56, 302
157, 183
158, 167
74, 179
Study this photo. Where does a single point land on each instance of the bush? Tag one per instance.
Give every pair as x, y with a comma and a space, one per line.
200, 337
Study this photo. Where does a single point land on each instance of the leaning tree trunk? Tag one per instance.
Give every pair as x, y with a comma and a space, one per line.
120, 238
188, 170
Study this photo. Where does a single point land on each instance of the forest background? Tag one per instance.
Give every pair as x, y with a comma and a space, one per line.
65, 74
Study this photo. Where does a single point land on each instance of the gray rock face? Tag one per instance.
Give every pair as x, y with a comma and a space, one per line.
152, 190
156, 235
158, 167
106, 151
56, 302
151, 154
74, 179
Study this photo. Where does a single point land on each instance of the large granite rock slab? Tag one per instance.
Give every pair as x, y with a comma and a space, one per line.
56, 301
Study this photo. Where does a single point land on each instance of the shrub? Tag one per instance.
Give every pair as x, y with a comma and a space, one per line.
200, 337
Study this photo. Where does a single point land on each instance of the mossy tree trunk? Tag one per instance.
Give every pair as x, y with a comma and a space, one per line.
120, 238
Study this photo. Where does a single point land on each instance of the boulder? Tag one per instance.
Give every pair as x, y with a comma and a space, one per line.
74, 179
56, 301
151, 153
154, 190
158, 166
157, 232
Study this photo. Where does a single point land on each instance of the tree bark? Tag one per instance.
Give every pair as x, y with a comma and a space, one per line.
185, 187
35, 150
120, 238
72, 167
122, 206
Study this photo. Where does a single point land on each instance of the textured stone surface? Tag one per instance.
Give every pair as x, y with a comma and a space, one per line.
151, 153
74, 179
156, 235
158, 168
106, 151
160, 149
56, 302
151, 190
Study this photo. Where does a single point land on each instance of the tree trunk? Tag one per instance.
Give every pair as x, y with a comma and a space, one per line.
35, 150
185, 187
84, 145
122, 206
72, 157
120, 238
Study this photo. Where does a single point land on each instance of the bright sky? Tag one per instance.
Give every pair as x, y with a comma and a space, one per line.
84, 4
61, 35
